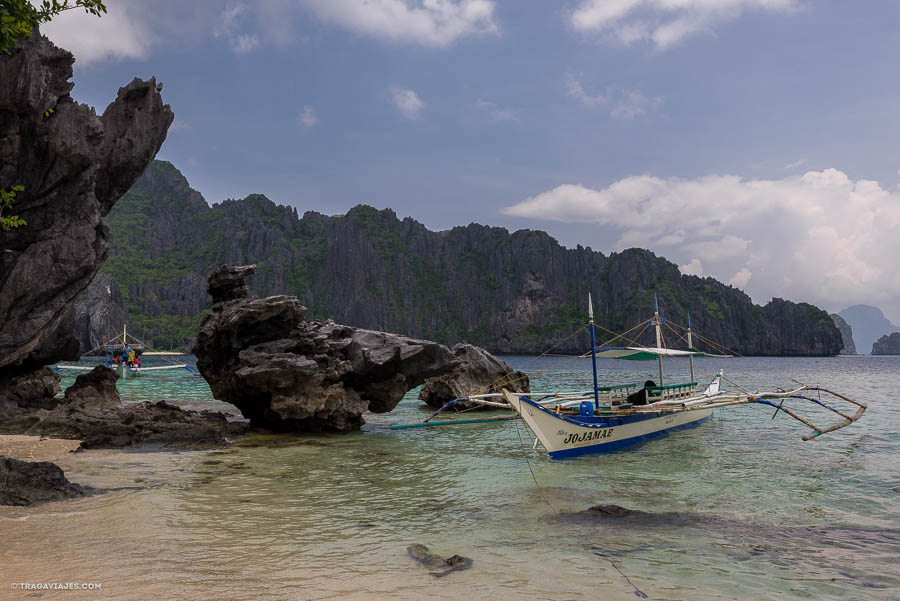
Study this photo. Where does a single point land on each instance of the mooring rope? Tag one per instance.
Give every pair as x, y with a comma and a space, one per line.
638, 592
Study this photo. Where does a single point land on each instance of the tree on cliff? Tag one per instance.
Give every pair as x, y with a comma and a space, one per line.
19, 17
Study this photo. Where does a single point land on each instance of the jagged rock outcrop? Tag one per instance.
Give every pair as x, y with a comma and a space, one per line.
93, 413
74, 165
887, 345
478, 372
846, 334
519, 292
31, 482
99, 313
289, 374
32, 390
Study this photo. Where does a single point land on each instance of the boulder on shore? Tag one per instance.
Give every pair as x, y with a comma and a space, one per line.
93, 413
478, 372
286, 373
30, 482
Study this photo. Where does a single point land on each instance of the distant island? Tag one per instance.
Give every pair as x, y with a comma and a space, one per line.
868, 324
518, 292
887, 345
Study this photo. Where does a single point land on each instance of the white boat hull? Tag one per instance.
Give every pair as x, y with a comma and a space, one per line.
564, 435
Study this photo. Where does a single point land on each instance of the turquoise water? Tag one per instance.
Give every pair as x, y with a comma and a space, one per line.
740, 507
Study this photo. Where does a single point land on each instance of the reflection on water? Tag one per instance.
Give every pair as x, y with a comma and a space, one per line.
739, 507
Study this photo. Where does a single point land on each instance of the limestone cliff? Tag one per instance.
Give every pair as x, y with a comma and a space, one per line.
506, 292
74, 165
846, 334
887, 345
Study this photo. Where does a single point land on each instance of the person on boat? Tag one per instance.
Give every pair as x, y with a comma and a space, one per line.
641, 396
131, 356
137, 362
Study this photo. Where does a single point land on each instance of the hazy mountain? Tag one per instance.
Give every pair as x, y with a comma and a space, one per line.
868, 324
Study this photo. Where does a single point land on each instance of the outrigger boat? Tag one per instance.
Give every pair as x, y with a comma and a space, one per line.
608, 418
115, 350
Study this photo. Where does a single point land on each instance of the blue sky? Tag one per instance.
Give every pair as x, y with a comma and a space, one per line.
751, 140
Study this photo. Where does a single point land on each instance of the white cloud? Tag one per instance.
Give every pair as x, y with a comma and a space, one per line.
230, 29
795, 164
428, 22
119, 34
621, 103
308, 116
498, 113
407, 102
695, 267
179, 125
663, 22
741, 278
819, 237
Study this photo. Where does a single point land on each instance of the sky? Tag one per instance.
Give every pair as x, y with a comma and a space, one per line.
754, 141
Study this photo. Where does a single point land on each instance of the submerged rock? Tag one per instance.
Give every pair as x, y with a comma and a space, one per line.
74, 165
478, 372
286, 373
441, 567
93, 413
30, 482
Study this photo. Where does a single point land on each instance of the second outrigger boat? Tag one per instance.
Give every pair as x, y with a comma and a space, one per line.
608, 418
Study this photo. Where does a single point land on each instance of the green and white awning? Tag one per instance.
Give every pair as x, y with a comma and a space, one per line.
641, 353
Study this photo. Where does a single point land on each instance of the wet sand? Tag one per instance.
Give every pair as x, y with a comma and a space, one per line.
35, 448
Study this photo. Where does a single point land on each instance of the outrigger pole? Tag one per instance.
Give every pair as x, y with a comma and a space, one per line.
659, 337
593, 351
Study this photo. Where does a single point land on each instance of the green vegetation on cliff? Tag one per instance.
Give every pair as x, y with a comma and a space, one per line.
507, 292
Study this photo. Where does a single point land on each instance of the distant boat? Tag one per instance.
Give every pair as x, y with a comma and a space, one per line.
608, 418
116, 353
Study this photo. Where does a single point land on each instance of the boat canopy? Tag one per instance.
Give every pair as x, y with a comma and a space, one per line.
641, 353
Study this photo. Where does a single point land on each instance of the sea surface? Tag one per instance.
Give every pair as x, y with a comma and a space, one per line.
740, 507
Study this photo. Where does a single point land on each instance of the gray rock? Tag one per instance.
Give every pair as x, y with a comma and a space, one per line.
74, 165
32, 390
99, 313
439, 567
227, 283
92, 412
289, 374
887, 345
31, 482
478, 372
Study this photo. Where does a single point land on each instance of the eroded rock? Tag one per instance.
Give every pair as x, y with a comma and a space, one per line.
439, 567
286, 373
92, 412
31, 482
478, 372
73, 165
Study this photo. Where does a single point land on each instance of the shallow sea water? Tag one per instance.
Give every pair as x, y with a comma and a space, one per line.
740, 507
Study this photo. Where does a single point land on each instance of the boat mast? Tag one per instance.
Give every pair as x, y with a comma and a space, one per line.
593, 351
690, 342
658, 335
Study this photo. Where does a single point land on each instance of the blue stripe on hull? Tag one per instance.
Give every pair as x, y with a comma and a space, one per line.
607, 447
